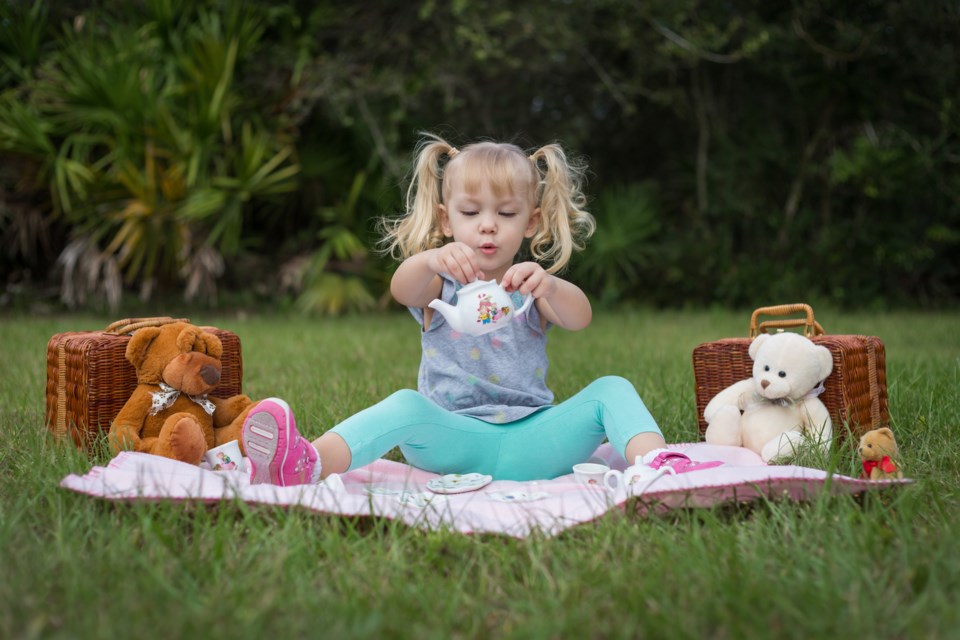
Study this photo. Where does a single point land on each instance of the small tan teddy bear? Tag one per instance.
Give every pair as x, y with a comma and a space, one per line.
880, 454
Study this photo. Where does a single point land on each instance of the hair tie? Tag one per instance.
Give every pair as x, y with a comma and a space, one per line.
452, 152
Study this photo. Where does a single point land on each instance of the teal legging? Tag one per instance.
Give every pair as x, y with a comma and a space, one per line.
542, 445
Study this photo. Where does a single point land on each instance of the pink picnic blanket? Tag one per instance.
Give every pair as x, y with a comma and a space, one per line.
398, 491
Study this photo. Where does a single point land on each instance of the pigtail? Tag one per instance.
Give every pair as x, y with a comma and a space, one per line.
564, 222
417, 230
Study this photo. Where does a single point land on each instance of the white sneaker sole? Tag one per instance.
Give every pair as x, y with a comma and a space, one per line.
265, 441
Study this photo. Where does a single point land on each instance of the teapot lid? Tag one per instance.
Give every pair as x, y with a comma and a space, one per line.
477, 284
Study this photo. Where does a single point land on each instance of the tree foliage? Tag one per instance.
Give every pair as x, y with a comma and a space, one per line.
742, 153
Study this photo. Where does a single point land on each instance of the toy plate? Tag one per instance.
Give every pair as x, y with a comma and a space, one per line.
459, 483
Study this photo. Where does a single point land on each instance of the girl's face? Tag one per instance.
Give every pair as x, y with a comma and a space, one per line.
492, 221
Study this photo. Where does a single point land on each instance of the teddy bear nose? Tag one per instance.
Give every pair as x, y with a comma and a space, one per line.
209, 374
764, 383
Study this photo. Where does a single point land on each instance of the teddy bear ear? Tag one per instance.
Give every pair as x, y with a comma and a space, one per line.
886, 432
137, 348
825, 360
187, 338
757, 342
210, 344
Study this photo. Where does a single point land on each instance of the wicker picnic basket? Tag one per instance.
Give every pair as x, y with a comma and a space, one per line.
855, 393
89, 379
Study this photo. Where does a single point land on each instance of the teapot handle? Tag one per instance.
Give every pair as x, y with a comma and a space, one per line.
615, 475
527, 301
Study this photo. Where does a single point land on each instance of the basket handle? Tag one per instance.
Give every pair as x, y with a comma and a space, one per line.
810, 326
129, 325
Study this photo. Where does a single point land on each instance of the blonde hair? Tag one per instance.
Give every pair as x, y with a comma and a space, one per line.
546, 177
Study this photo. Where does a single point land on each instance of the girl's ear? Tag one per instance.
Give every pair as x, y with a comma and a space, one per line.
444, 220
532, 224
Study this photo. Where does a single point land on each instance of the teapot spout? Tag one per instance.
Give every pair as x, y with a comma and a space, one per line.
449, 312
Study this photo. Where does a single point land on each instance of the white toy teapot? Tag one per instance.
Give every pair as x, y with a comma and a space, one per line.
482, 306
637, 473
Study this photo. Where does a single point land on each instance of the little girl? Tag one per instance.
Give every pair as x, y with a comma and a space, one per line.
482, 403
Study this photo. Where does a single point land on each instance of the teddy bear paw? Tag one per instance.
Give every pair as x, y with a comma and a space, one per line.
181, 438
724, 427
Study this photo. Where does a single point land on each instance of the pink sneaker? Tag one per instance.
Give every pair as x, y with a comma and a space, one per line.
278, 453
677, 462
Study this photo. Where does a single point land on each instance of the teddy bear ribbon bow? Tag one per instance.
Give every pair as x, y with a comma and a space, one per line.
168, 395
885, 464
789, 402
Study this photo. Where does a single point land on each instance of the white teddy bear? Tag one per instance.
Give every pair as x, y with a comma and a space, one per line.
772, 412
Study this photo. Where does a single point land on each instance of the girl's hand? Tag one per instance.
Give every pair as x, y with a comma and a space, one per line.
529, 277
457, 259
558, 301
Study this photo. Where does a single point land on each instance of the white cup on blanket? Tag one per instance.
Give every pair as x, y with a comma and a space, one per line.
226, 457
590, 474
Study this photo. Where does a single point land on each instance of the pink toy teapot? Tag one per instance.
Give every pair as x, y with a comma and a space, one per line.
482, 306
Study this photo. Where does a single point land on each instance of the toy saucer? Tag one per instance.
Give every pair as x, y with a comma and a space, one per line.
420, 499
459, 483
518, 496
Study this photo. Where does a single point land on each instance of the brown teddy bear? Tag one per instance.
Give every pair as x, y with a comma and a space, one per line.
170, 413
880, 454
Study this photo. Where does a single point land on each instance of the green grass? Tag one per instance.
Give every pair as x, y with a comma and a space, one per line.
884, 565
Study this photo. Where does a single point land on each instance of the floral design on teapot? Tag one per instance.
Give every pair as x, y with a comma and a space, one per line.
488, 311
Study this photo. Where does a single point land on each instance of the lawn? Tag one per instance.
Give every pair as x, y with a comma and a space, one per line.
885, 565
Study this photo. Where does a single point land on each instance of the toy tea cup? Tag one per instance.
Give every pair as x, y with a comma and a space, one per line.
637, 473
590, 474
226, 457
482, 306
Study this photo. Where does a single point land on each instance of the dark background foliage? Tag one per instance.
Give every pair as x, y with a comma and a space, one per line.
230, 152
